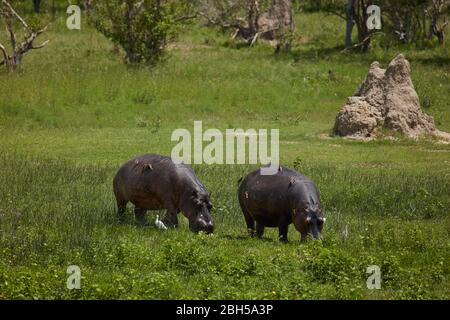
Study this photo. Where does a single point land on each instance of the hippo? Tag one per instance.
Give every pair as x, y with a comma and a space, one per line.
155, 182
279, 200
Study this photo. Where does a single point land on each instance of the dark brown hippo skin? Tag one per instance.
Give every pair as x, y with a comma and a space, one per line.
279, 200
155, 182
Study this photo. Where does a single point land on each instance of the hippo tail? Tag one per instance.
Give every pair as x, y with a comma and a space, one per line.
240, 180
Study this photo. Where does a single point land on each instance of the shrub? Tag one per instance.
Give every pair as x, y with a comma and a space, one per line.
141, 28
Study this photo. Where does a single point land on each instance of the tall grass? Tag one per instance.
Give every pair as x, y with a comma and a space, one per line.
55, 214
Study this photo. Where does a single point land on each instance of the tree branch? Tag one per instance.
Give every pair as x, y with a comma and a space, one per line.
9, 28
15, 14
336, 14
5, 54
184, 18
13, 60
41, 45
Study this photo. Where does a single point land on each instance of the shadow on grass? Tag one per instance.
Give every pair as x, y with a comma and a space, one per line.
335, 53
434, 61
232, 44
246, 237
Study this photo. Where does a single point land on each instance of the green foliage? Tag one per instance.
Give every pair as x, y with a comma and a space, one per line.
141, 28
403, 21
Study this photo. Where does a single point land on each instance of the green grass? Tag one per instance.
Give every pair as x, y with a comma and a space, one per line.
75, 113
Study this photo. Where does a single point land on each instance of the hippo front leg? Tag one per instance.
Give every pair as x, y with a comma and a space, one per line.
171, 219
283, 232
303, 237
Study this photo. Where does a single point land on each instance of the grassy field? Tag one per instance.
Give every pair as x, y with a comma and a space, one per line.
75, 113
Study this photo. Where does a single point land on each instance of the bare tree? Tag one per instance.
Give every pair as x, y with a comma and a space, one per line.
87, 4
253, 19
18, 49
435, 10
354, 12
238, 15
357, 11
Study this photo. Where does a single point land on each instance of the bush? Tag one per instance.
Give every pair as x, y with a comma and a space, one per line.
141, 28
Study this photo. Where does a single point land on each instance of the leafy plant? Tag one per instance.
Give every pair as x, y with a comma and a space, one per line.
141, 28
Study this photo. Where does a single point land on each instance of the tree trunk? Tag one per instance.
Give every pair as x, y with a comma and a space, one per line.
407, 25
424, 24
364, 34
350, 23
37, 6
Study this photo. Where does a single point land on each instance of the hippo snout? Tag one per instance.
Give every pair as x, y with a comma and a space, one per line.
311, 236
317, 236
207, 227
202, 225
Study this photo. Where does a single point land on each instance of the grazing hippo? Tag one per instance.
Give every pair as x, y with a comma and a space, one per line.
279, 200
155, 182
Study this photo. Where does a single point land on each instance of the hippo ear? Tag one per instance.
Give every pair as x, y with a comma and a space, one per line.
194, 193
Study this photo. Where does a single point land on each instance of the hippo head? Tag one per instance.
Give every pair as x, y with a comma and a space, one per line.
198, 211
309, 220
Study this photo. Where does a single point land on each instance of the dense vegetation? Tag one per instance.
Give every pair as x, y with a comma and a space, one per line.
74, 113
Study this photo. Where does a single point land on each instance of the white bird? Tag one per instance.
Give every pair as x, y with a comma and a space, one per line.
159, 224
345, 232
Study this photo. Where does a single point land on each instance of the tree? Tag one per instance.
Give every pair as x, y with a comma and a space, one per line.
354, 12
435, 10
141, 27
404, 20
239, 15
252, 19
14, 59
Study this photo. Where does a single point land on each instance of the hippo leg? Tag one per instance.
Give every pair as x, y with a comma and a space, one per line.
250, 224
171, 219
303, 237
259, 230
140, 216
283, 232
121, 206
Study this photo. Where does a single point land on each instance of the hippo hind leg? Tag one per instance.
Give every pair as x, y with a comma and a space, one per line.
250, 223
121, 207
139, 213
259, 230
